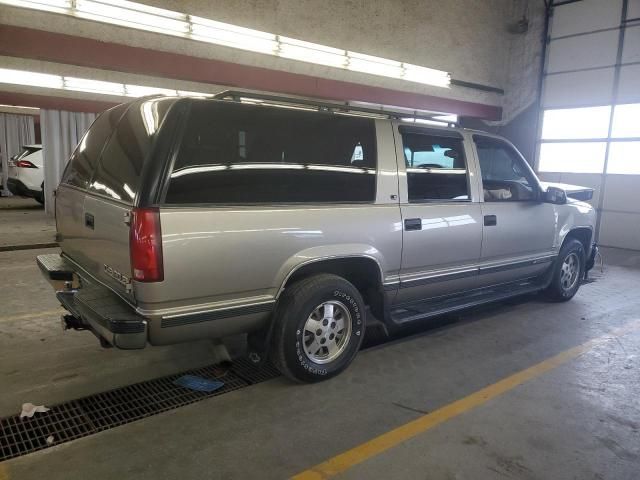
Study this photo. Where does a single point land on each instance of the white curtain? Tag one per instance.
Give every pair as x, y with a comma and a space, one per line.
15, 131
61, 132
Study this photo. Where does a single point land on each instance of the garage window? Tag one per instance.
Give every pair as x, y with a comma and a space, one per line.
624, 158
576, 123
246, 154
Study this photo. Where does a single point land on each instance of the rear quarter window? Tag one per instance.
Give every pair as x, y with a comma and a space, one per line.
84, 159
123, 158
243, 154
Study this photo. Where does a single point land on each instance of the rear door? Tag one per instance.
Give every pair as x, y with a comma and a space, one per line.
441, 214
519, 229
99, 222
71, 193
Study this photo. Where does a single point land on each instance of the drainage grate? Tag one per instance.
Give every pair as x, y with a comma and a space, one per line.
102, 411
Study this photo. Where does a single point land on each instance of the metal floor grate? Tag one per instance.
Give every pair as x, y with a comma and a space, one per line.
102, 411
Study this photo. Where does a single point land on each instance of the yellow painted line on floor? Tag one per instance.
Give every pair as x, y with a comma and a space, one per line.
28, 316
386, 441
4, 472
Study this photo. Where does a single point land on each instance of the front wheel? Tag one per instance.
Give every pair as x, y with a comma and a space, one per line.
319, 327
567, 272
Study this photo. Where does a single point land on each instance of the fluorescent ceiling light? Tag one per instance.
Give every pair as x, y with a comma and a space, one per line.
311, 52
59, 82
20, 77
169, 22
134, 15
139, 91
93, 86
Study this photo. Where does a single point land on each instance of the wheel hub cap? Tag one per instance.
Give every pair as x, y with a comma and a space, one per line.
327, 332
569, 272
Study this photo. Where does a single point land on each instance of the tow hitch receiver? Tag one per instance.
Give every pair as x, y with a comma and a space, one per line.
69, 322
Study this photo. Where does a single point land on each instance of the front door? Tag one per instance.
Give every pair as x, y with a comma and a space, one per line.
441, 214
518, 234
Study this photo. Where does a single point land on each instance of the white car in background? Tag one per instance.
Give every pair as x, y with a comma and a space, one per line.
26, 173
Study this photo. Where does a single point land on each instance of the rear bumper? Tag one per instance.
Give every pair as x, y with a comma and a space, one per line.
100, 310
17, 187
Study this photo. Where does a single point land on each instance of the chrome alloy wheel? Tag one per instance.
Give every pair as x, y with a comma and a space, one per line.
327, 332
569, 272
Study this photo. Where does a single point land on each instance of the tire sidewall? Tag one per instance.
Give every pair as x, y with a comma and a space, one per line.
573, 247
293, 346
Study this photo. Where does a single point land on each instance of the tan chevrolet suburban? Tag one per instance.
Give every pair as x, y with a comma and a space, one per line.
295, 221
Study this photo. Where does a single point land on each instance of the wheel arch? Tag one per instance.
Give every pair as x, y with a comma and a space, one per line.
583, 234
364, 271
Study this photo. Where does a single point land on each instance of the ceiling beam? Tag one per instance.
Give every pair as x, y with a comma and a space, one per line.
30, 43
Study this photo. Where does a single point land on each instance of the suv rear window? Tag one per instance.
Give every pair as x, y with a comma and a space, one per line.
124, 156
84, 159
245, 154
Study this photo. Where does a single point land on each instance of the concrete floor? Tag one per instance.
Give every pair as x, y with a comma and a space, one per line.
580, 420
23, 221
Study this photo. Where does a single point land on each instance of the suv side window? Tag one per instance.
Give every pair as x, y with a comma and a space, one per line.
504, 177
436, 167
245, 154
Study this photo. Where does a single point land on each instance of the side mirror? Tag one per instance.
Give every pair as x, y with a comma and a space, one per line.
555, 195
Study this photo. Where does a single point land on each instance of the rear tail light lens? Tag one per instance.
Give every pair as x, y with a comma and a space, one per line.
25, 164
145, 243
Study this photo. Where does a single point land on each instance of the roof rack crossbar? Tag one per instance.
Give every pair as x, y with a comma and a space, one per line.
345, 108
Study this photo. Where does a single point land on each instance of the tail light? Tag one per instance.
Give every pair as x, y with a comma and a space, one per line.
25, 164
145, 244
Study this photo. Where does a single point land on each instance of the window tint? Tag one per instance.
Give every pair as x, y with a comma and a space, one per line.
233, 153
436, 167
84, 159
120, 166
504, 176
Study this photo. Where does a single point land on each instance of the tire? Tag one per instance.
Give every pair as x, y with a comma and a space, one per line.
568, 272
40, 198
308, 319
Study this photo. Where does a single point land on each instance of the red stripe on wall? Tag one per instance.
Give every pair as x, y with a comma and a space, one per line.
69, 49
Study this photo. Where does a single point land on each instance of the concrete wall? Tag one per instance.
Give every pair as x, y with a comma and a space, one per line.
468, 38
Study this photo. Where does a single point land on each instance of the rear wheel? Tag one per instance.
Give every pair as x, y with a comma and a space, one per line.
319, 328
567, 272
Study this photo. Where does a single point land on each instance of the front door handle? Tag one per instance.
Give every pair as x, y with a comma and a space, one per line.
490, 220
413, 224
89, 221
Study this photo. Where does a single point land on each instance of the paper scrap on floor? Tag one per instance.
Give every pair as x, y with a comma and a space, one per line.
29, 410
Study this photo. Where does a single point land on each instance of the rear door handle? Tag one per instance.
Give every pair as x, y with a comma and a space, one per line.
490, 220
89, 221
413, 224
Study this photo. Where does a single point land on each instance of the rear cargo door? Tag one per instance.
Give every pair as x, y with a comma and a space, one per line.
70, 194
112, 194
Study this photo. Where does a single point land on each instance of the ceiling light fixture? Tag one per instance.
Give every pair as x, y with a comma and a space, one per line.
60, 82
168, 22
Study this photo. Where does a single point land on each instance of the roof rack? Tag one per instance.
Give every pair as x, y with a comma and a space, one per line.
340, 108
